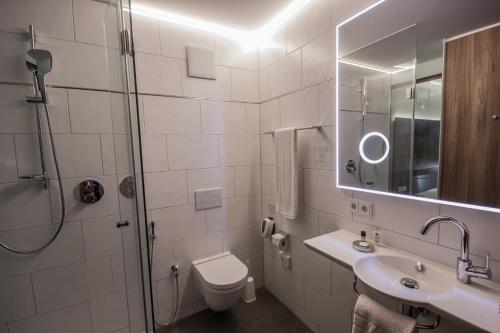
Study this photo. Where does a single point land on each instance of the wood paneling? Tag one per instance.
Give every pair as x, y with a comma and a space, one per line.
470, 163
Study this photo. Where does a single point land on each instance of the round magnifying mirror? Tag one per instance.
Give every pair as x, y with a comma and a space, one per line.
374, 148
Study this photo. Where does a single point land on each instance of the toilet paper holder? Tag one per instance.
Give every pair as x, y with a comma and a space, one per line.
280, 240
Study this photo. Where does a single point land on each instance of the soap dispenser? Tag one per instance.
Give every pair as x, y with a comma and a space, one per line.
362, 245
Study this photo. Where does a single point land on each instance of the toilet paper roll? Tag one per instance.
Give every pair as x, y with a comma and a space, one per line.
280, 241
267, 227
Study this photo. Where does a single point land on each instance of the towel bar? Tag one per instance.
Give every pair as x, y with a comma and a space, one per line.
299, 129
411, 311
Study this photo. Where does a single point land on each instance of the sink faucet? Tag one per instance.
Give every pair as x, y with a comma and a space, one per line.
465, 268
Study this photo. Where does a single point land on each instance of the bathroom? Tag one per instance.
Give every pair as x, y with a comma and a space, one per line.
144, 186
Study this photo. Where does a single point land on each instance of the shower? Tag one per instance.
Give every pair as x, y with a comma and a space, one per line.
39, 62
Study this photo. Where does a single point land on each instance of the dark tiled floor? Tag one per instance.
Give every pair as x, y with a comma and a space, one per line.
265, 315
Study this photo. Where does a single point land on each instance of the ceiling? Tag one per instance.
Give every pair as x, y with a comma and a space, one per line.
240, 14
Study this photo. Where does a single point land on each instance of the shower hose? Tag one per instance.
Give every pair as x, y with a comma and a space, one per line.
175, 271
61, 193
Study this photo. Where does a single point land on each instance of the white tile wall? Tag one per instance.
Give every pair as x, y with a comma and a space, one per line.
90, 111
245, 85
300, 109
17, 298
219, 117
158, 74
95, 231
164, 189
285, 74
179, 222
210, 178
171, 115
239, 149
234, 212
8, 166
192, 151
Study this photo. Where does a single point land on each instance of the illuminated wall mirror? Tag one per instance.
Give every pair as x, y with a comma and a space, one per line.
418, 108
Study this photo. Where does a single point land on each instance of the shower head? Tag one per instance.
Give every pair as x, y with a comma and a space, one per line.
40, 62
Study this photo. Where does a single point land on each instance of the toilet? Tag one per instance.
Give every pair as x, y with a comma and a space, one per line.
220, 279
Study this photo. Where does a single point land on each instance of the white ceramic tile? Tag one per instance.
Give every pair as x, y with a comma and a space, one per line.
192, 151
171, 115
51, 18
79, 155
196, 248
17, 300
146, 34
17, 115
264, 84
285, 74
209, 178
483, 227
158, 75
244, 238
108, 154
118, 267
219, 117
66, 249
239, 149
74, 319
245, 85
313, 267
101, 237
326, 92
75, 209
90, 72
330, 314
164, 189
13, 49
304, 226
68, 285
270, 115
400, 215
90, 111
163, 261
23, 205
109, 313
268, 180
123, 156
255, 205
234, 212
318, 59
274, 50
288, 287
321, 192
331, 222
313, 20
218, 88
300, 108
93, 21
174, 39
253, 118
8, 166
247, 180
179, 222
267, 149
120, 113
154, 152
232, 54
315, 148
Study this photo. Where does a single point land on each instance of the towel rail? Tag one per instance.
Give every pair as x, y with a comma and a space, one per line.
408, 310
299, 129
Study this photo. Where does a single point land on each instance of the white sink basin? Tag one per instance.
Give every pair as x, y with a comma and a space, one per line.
385, 273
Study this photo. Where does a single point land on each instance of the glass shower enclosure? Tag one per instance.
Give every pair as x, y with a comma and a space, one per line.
94, 276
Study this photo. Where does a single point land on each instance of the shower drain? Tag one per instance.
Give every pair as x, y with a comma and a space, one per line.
409, 283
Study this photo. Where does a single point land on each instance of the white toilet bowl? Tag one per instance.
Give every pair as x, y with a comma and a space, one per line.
220, 279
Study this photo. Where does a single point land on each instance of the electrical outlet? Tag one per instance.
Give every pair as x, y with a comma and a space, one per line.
286, 260
365, 208
354, 206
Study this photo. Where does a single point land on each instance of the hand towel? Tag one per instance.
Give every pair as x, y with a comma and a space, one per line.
287, 172
371, 317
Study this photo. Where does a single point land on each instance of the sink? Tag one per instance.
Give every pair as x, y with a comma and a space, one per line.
399, 277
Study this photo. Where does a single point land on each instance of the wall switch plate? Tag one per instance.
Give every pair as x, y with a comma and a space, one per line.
354, 206
365, 209
208, 198
286, 260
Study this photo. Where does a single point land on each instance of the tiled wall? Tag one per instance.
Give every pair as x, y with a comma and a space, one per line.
296, 83
78, 283
197, 134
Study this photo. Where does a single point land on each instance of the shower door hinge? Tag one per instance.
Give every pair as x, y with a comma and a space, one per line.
127, 47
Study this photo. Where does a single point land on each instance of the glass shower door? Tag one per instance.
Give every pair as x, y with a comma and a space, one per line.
132, 264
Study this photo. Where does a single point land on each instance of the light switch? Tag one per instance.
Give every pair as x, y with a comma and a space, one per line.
208, 198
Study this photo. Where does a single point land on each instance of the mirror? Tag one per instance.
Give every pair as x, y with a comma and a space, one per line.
418, 107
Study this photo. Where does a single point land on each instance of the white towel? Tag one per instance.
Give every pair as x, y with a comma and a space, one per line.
371, 317
287, 172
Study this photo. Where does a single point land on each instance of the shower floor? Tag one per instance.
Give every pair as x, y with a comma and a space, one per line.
265, 315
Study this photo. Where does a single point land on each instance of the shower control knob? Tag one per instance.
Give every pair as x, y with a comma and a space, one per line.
90, 191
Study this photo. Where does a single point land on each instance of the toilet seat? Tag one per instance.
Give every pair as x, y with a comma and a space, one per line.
223, 272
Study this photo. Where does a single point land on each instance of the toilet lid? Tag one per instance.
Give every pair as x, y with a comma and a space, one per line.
222, 273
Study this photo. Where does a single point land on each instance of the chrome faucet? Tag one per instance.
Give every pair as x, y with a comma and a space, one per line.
465, 269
